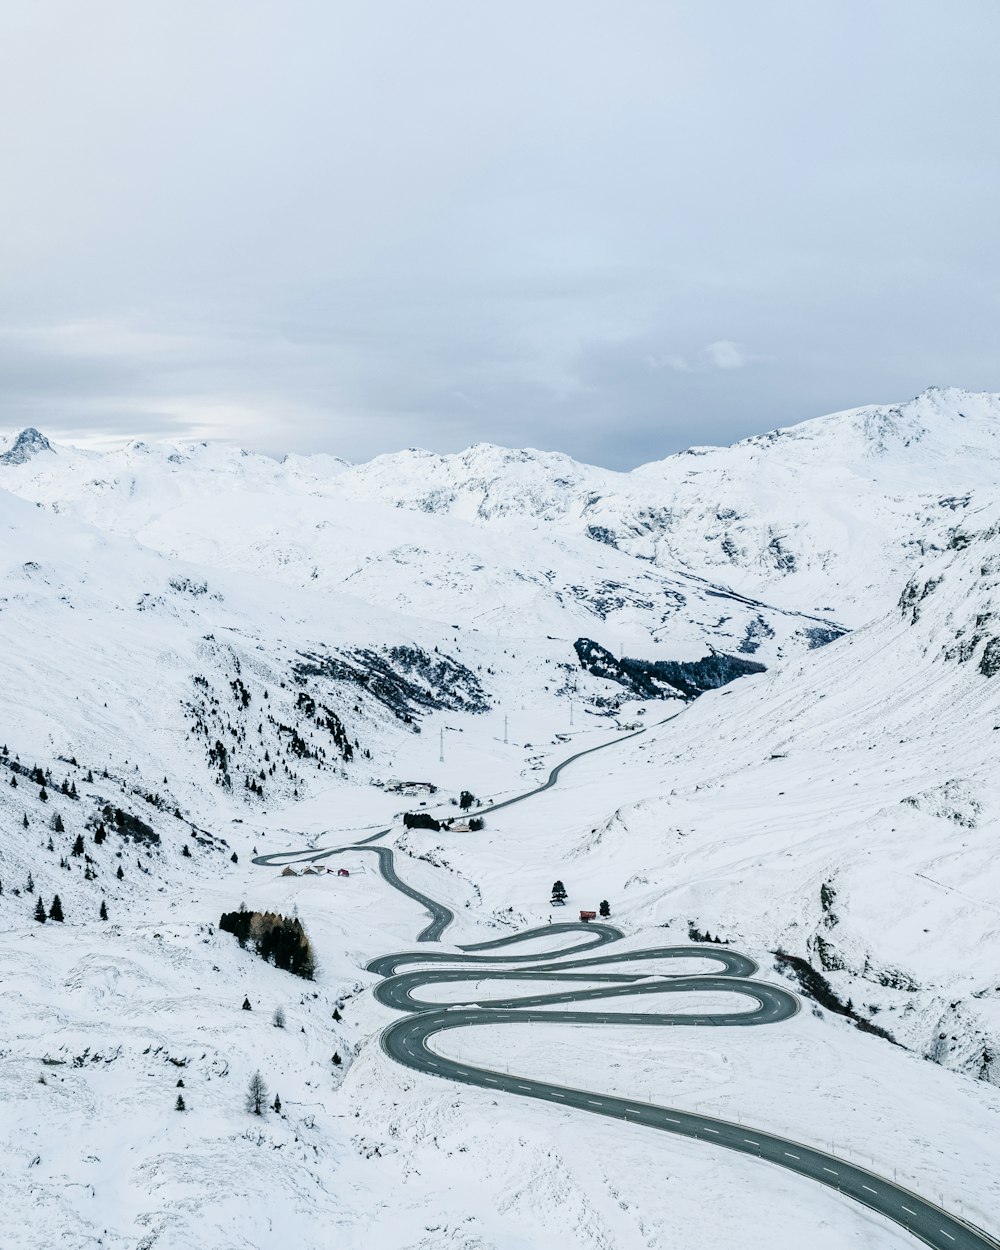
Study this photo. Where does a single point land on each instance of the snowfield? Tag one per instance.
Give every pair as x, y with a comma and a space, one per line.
210, 655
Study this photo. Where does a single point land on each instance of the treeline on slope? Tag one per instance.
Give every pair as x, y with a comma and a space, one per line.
281, 940
663, 679
424, 820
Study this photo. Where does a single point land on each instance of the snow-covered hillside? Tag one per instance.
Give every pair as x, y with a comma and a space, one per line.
818, 519
311, 523
210, 654
844, 810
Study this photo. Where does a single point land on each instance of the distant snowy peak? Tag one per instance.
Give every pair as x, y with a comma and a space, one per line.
483, 483
24, 446
938, 419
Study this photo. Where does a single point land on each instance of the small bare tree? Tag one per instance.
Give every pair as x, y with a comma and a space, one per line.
278, 1019
256, 1094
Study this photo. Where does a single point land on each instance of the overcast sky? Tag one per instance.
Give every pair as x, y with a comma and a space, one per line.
611, 228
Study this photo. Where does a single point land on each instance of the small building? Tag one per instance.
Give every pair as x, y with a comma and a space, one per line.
289, 872
343, 872
588, 915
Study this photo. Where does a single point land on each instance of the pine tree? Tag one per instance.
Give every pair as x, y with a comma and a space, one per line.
78, 845
605, 908
50, 846
256, 1095
57, 823
40, 911
90, 777
100, 833
558, 892
276, 1105
24, 820
104, 910
234, 858
31, 884
185, 851
56, 911
13, 782
121, 874
180, 1105
337, 1061
336, 1014
43, 795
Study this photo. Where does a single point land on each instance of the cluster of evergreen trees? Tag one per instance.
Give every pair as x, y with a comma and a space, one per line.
280, 940
421, 820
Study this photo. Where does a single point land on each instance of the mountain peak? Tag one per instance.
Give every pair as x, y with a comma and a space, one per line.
27, 444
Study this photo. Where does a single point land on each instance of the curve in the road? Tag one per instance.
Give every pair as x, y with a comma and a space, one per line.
406, 1040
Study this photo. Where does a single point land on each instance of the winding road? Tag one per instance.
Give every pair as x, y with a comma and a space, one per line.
406, 1040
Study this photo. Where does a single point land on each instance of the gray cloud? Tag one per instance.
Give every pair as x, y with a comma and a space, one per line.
615, 230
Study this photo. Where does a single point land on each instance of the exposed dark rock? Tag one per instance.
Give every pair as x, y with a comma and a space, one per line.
405, 679
989, 663
27, 444
757, 631
817, 636
817, 987
601, 534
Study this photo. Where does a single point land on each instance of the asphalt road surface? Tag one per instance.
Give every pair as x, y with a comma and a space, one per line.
406, 1040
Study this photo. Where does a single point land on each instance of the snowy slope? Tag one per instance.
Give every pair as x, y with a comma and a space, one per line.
841, 807
844, 809
310, 522
820, 519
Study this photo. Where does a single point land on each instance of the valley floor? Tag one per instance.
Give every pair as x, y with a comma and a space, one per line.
102, 1022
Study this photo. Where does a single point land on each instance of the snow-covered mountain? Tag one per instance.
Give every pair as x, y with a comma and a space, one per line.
750, 548
843, 809
210, 653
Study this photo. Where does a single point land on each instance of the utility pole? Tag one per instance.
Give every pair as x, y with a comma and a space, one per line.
441, 747
571, 713
505, 729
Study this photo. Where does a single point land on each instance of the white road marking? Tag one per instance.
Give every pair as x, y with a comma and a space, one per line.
751, 1141
948, 1235
790, 1155
908, 1211
593, 1103
831, 1171
712, 1130
556, 1094
869, 1188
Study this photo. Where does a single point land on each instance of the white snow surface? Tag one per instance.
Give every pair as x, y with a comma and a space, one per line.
841, 807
